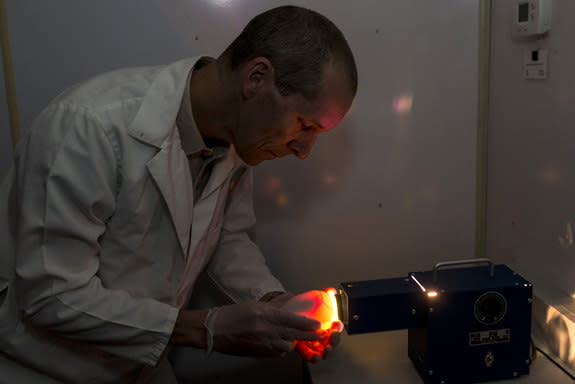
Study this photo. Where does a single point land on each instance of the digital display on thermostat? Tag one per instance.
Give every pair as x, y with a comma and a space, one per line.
523, 12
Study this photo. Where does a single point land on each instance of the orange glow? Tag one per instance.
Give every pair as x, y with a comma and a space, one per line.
431, 294
319, 305
334, 310
325, 308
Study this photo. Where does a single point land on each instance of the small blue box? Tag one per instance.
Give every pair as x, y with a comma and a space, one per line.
466, 325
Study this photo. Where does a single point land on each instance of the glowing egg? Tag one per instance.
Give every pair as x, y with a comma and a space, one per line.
319, 305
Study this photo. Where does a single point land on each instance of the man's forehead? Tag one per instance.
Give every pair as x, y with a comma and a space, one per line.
329, 115
329, 111
336, 96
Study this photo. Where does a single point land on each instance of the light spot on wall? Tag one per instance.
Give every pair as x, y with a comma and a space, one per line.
402, 104
549, 175
567, 240
222, 3
272, 185
329, 179
282, 200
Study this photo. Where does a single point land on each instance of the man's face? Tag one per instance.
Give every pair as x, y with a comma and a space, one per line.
271, 125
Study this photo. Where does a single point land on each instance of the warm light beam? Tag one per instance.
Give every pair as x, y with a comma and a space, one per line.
417, 282
335, 313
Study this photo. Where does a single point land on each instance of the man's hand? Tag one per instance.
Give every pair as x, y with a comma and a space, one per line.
314, 351
256, 328
320, 306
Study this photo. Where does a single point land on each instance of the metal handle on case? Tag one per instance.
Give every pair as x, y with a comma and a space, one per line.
442, 264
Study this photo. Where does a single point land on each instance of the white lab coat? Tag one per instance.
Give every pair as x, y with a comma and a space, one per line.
101, 241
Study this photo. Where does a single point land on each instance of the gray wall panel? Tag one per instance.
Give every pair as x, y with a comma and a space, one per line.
531, 208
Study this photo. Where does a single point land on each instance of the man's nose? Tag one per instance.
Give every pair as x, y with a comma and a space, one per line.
302, 146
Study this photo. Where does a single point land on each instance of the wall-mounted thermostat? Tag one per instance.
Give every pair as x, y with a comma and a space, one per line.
531, 17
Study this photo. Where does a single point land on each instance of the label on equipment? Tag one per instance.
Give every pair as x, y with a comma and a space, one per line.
495, 336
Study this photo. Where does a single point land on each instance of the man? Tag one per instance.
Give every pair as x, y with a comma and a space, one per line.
129, 185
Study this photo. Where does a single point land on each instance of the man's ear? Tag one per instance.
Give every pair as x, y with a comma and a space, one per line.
256, 75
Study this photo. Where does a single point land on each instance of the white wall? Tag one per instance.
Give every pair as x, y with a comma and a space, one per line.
531, 188
531, 197
389, 191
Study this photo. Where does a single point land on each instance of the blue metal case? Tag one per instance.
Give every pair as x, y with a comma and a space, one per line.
466, 325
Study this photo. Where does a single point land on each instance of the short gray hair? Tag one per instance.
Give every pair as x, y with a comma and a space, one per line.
298, 42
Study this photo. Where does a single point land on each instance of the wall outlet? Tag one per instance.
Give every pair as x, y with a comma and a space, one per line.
535, 64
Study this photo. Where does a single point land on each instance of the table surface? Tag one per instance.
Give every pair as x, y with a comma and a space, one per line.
378, 358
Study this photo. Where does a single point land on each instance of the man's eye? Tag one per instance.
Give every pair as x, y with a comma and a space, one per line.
305, 127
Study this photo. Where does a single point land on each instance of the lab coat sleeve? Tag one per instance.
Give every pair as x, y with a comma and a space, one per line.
68, 173
237, 265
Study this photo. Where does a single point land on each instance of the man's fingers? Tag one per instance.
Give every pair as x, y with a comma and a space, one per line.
317, 346
293, 320
334, 339
283, 346
337, 326
308, 353
295, 334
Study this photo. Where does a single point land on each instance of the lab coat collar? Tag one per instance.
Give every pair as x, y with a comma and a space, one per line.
157, 114
170, 170
154, 124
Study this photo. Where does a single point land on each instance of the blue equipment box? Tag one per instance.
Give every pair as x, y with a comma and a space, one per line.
465, 325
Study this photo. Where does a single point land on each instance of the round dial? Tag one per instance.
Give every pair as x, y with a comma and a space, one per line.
490, 308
